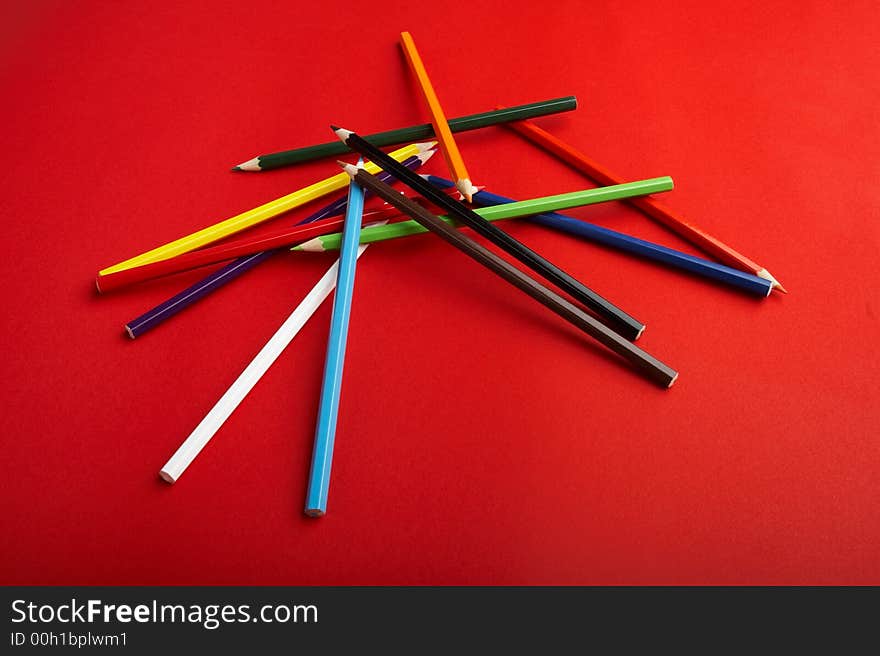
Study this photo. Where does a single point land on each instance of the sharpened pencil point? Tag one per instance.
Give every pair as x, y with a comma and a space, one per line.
426, 155
763, 273
342, 133
311, 246
250, 165
466, 188
351, 169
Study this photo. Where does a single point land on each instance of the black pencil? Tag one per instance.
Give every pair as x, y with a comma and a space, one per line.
609, 313
412, 133
647, 364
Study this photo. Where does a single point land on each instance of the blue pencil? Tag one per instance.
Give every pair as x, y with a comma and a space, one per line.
325, 433
697, 265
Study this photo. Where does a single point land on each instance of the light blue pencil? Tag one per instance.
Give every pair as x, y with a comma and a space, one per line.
325, 433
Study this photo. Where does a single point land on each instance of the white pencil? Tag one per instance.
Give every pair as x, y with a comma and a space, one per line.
227, 404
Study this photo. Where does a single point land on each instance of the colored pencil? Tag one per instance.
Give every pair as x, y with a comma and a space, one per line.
627, 325
449, 148
645, 363
226, 405
270, 241
632, 245
499, 212
255, 216
194, 293
655, 210
331, 387
412, 133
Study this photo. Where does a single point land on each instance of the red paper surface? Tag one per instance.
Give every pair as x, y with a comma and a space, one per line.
481, 439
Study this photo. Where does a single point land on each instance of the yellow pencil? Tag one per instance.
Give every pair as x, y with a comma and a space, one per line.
438, 119
257, 215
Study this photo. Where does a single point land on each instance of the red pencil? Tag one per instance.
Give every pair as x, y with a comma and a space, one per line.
234, 249
646, 204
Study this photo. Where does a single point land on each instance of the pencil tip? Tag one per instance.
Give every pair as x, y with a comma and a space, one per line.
425, 156
311, 246
466, 188
250, 165
342, 133
763, 273
349, 168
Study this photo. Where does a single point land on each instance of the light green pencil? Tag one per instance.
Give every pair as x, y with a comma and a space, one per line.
498, 212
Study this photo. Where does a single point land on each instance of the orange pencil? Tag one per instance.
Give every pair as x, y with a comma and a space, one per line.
438, 119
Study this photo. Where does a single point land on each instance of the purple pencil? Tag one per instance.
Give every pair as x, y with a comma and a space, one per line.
193, 294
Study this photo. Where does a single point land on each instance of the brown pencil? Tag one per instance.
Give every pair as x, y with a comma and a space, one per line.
647, 364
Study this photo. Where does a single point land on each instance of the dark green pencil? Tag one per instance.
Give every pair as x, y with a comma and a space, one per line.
413, 133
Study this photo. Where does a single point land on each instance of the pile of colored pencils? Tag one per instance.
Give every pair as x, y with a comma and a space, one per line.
343, 224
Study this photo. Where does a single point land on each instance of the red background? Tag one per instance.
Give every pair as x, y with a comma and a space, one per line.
481, 439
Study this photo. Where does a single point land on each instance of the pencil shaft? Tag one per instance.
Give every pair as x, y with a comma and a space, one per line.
228, 251
250, 218
161, 313
417, 132
451, 154
610, 313
705, 268
226, 405
226, 274
328, 410
648, 365
511, 210
648, 206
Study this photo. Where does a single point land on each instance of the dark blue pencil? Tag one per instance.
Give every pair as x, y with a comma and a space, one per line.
696, 265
